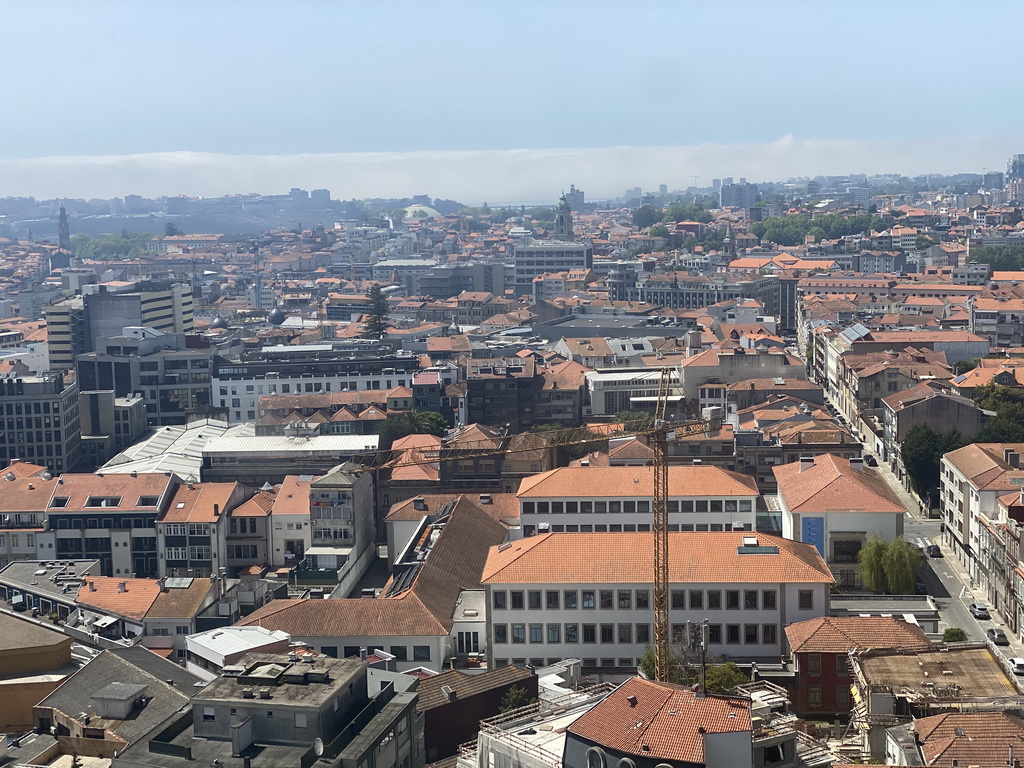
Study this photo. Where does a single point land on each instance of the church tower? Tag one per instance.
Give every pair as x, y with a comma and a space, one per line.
563, 220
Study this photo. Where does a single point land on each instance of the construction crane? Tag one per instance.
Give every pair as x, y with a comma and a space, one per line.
659, 444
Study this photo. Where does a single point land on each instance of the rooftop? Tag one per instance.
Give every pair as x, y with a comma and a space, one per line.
683, 481
833, 634
952, 672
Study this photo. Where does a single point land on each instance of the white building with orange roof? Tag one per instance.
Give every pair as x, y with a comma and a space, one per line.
615, 499
588, 596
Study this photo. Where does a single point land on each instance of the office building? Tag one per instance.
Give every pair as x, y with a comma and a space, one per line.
41, 421
537, 257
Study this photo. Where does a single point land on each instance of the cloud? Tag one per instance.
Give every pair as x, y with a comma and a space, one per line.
497, 176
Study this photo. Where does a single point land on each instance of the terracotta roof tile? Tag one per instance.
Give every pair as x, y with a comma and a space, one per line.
831, 634
683, 480
832, 484
103, 594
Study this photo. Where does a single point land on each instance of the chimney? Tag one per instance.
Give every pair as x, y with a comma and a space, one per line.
162, 583
92, 586
806, 462
122, 586
631, 700
449, 692
362, 654
216, 510
419, 503
857, 464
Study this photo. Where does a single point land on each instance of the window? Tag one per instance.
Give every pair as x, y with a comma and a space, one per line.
814, 664
750, 600
814, 696
400, 652
843, 696
732, 634
572, 633
768, 600
805, 600
552, 599
533, 599
181, 629
421, 653
174, 529
589, 633
554, 633
770, 634
517, 600
209, 714
696, 599
500, 600
607, 599
625, 633
518, 633
607, 633
750, 634
679, 599
588, 598
569, 599
625, 599
732, 599
198, 529
643, 599
300, 719
714, 634
536, 633
643, 633
714, 599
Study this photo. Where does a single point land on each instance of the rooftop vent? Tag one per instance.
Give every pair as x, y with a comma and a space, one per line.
264, 693
248, 693
449, 692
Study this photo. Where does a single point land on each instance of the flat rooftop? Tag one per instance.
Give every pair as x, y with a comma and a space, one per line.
276, 673
951, 673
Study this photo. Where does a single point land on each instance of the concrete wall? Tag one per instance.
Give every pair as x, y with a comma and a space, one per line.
17, 697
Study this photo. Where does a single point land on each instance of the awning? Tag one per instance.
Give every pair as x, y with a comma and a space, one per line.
104, 621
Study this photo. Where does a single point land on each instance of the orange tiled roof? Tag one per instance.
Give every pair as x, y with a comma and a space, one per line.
103, 593
841, 634
683, 480
832, 484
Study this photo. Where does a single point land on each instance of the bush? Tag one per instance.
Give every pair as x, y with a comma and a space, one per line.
954, 635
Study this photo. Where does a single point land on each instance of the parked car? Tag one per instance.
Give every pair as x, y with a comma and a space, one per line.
1016, 665
870, 460
997, 636
934, 550
978, 610
920, 588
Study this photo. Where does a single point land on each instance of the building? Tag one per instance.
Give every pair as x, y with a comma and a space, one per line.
341, 516
820, 651
109, 425
619, 498
537, 257
1000, 319
76, 324
207, 653
34, 660
170, 372
738, 195
933, 404
192, 532
110, 518
971, 480
956, 738
432, 609
836, 505
499, 391
42, 422
273, 710
562, 595
453, 703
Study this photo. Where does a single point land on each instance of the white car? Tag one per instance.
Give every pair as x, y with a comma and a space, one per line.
1016, 665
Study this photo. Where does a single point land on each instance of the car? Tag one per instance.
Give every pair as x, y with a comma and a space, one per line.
920, 588
1016, 665
978, 610
997, 636
934, 550
870, 460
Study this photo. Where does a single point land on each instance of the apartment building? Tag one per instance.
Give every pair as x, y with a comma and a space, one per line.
588, 596
192, 532
25, 491
1000, 319
971, 480
41, 420
619, 499
533, 257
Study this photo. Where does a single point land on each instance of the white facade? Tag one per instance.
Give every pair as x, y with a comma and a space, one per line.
600, 514
610, 624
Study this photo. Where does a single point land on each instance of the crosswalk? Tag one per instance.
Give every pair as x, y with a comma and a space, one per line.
920, 543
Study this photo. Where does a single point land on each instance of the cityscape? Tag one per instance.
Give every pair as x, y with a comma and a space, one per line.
565, 386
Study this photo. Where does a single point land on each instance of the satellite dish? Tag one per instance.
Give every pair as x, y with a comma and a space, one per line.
318, 746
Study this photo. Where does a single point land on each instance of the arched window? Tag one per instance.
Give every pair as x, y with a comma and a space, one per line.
596, 758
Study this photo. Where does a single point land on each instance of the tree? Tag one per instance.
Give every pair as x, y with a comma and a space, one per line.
1000, 257
632, 420
901, 563
871, 564
398, 214
954, 635
646, 216
398, 425
658, 230
514, 698
963, 366
922, 452
924, 242
171, 229
376, 322
724, 678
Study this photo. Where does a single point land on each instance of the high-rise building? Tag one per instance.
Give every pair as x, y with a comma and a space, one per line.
535, 257
563, 220
40, 421
992, 180
737, 195
1015, 168
76, 324
575, 197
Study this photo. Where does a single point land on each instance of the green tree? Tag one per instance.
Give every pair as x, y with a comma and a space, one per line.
924, 242
632, 419
871, 564
954, 635
659, 230
1000, 257
724, 678
922, 452
963, 366
397, 215
171, 229
901, 563
646, 216
398, 425
514, 698
376, 322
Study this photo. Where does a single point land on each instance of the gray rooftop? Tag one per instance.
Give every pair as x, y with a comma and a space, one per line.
48, 577
285, 680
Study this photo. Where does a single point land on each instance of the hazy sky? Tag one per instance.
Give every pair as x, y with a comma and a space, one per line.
399, 98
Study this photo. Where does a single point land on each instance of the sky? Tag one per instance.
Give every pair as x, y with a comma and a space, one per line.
497, 101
